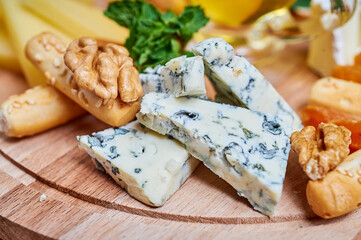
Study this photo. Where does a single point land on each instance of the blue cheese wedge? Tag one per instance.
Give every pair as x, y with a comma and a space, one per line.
180, 76
247, 149
149, 166
234, 77
185, 76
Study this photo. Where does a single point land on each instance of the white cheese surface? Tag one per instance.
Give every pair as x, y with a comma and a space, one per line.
234, 77
152, 80
180, 76
150, 167
185, 76
248, 149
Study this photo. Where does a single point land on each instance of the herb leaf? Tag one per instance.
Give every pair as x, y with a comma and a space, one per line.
154, 37
191, 19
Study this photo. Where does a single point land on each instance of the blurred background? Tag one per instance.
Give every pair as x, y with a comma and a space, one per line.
257, 29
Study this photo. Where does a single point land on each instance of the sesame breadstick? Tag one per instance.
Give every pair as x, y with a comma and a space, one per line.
337, 94
46, 51
36, 110
340, 191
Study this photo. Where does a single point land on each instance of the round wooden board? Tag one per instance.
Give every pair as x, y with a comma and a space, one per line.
56, 166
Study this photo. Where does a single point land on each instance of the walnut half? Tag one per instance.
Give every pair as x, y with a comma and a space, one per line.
105, 70
320, 154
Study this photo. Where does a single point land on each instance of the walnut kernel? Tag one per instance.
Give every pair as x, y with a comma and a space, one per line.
104, 70
320, 154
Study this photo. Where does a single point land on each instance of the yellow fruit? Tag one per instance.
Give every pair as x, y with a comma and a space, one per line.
21, 26
229, 12
176, 6
268, 6
89, 2
77, 19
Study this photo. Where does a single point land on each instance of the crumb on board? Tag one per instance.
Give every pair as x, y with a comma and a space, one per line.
42, 197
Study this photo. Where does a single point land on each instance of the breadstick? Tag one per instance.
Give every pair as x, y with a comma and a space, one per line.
340, 95
46, 52
340, 191
36, 110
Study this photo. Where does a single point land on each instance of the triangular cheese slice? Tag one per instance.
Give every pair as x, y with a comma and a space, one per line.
139, 160
247, 149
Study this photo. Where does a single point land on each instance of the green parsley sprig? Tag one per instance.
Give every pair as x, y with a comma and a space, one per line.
155, 37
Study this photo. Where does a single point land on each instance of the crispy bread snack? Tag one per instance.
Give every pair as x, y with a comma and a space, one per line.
46, 51
340, 191
341, 95
36, 110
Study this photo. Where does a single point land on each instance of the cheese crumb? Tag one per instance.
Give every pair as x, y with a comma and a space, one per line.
42, 197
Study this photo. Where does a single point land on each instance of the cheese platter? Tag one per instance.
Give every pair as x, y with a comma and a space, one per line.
65, 172
207, 154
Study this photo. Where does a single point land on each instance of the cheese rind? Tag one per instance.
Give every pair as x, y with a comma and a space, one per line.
233, 76
248, 149
149, 166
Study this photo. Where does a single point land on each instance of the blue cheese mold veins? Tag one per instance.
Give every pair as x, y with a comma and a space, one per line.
180, 76
138, 160
246, 148
240, 82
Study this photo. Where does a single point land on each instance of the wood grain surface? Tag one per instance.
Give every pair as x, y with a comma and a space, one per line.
84, 203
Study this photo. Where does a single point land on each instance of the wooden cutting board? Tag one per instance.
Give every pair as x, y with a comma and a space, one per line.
84, 203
